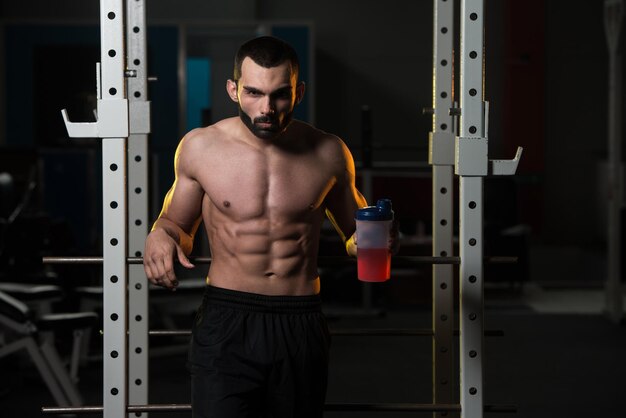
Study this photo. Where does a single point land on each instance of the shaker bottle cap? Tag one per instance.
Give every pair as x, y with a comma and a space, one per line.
381, 212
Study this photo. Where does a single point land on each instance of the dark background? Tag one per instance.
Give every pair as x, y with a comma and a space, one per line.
546, 80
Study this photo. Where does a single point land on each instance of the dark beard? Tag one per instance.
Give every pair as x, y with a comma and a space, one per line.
265, 133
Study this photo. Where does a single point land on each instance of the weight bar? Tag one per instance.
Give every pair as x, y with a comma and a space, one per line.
345, 332
387, 407
413, 407
398, 261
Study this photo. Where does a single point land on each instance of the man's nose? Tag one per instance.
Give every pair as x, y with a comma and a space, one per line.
268, 106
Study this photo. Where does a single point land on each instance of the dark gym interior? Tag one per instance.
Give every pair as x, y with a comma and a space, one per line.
368, 65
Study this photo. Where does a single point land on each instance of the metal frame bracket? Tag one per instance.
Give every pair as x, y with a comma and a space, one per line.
140, 117
441, 148
112, 121
505, 167
471, 156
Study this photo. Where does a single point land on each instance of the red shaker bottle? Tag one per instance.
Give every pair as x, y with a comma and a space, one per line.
373, 224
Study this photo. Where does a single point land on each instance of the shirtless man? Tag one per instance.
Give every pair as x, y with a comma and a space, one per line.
262, 184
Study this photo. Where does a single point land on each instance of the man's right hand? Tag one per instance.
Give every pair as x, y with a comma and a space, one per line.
158, 259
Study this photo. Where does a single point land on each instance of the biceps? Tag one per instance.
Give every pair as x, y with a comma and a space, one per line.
183, 204
341, 204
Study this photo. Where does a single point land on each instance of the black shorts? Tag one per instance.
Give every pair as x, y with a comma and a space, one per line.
258, 356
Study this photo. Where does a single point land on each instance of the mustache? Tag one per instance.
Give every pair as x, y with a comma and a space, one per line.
265, 119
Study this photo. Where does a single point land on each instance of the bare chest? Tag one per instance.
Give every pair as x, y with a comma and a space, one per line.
254, 185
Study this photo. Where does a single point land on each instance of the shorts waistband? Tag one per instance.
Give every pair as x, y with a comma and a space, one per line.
262, 303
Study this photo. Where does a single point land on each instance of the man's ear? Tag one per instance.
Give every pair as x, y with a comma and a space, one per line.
231, 89
300, 88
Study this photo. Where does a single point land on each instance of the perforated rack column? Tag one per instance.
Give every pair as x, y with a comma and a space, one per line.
115, 278
139, 113
471, 165
115, 235
441, 157
113, 127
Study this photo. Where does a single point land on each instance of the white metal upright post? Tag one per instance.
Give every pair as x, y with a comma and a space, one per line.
113, 127
613, 16
115, 234
139, 114
441, 157
115, 278
471, 165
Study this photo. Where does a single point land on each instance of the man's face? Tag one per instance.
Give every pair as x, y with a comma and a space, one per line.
266, 97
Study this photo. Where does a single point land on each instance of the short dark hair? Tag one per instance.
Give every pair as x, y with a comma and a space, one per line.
268, 52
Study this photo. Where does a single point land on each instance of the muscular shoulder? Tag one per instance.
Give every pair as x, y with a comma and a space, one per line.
201, 139
329, 147
198, 146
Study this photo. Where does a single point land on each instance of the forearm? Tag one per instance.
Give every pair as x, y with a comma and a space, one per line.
182, 238
351, 245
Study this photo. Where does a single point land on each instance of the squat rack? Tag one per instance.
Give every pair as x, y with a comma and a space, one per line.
123, 126
466, 152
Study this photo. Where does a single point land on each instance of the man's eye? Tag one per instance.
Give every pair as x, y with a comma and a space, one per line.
283, 95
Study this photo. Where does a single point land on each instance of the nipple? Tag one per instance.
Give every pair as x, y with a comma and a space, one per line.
226, 204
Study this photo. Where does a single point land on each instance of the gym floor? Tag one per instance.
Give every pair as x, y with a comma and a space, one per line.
559, 357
